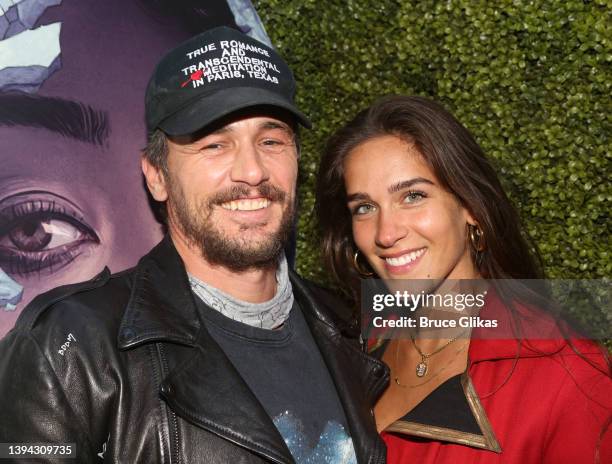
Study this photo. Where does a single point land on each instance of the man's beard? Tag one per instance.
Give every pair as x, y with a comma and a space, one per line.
235, 253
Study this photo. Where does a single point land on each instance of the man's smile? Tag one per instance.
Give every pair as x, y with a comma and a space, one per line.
246, 204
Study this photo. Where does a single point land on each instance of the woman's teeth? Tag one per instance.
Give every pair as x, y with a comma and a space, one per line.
405, 259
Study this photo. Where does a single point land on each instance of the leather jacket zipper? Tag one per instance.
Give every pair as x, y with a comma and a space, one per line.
175, 456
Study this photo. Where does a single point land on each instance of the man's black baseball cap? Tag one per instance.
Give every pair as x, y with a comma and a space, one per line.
212, 75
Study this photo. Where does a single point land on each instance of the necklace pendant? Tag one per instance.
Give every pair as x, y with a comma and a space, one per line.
421, 369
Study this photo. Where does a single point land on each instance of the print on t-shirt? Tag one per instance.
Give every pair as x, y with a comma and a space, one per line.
334, 445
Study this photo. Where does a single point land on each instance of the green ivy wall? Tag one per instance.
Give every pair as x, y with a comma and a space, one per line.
531, 80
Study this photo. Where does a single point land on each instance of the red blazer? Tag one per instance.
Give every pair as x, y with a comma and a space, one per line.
538, 402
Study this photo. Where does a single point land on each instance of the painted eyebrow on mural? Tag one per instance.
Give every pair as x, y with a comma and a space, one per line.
65, 117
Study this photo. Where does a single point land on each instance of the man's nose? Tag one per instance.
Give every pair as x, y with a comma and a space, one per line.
249, 166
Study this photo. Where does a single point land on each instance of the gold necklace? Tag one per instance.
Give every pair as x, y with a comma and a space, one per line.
421, 368
435, 375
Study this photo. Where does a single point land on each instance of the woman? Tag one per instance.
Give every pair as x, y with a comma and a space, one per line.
404, 192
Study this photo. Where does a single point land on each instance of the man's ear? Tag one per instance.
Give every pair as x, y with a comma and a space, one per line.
156, 182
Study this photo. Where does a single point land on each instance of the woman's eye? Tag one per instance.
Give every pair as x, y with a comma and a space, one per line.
40, 231
362, 209
414, 196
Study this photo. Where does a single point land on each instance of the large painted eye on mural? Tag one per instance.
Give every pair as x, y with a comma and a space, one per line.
72, 80
42, 231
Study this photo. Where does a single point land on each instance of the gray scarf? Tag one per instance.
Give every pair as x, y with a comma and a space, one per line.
267, 315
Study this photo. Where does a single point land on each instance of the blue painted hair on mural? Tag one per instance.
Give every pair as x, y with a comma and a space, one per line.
65, 117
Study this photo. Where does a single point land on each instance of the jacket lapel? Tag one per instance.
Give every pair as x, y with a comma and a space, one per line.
208, 391
161, 307
359, 378
202, 387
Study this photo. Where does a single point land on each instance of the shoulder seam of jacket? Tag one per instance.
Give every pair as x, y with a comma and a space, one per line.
40, 304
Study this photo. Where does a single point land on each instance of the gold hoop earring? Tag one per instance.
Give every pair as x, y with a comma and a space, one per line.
358, 268
476, 237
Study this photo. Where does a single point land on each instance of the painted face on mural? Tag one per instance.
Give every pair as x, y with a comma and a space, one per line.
72, 198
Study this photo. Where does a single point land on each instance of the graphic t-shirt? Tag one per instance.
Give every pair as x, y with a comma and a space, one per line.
288, 376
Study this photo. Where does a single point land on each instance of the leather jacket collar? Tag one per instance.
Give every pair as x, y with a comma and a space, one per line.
161, 306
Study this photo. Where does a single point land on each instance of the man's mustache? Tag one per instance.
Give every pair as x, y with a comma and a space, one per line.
239, 192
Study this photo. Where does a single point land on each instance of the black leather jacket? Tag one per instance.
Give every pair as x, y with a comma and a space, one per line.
123, 367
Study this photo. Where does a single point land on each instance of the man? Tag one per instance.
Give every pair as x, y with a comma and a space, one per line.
210, 350
64, 213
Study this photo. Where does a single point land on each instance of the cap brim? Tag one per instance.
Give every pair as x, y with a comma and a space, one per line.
207, 109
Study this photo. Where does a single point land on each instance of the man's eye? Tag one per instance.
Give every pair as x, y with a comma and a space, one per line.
276, 145
212, 146
273, 143
40, 231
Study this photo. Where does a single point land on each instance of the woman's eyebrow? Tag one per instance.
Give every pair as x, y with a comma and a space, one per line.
397, 187
357, 196
403, 184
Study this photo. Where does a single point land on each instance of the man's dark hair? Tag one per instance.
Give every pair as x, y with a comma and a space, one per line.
156, 151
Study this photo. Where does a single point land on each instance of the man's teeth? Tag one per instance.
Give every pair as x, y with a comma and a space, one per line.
405, 259
246, 205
